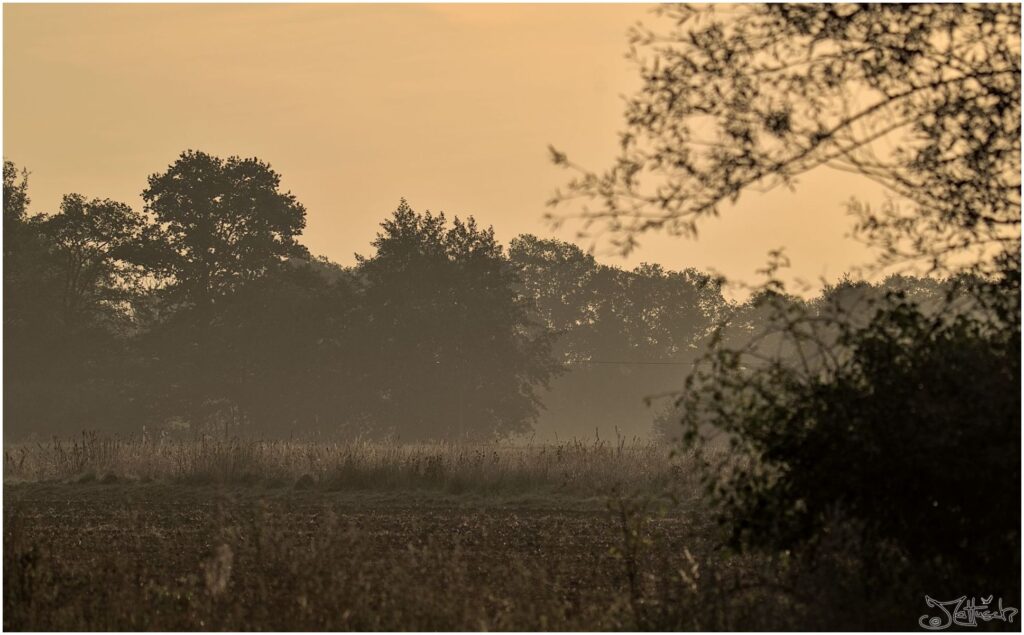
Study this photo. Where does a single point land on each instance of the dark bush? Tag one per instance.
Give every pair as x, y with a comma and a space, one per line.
906, 429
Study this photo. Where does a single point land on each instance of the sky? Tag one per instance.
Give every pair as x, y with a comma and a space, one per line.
449, 106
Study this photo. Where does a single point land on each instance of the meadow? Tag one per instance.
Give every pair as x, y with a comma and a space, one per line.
577, 467
217, 534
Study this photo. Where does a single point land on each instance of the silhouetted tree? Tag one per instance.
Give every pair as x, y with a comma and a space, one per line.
16, 198
29, 273
223, 223
291, 352
68, 285
97, 242
218, 228
457, 354
30, 308
623, 335
735, 97
891, 424
558, 276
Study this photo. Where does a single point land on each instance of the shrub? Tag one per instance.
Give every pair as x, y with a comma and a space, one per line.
904, 429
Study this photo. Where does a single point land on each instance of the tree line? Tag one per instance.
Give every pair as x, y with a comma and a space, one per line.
204, 312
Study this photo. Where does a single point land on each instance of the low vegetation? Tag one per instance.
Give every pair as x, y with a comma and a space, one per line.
138, 533
591, 468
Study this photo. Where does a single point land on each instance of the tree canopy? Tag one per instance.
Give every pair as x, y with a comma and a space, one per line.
458, 355
98, 242
221, 223
922, 98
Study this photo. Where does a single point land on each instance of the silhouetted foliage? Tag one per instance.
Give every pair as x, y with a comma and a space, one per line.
623, 336
204, 313
68, 288
308, 372
26, 260
218, 227
456, 355
15, 192
908, 427
31, 296
879, 420
222, 223
97, 243
276, 357
751, 96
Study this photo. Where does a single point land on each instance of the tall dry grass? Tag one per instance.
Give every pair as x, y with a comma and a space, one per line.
574, 467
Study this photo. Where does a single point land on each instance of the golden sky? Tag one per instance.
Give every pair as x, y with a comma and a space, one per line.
450, 106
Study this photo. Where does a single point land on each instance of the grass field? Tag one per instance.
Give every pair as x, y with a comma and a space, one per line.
107, 534
578, 468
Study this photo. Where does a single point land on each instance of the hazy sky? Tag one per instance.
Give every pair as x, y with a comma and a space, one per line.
450, 106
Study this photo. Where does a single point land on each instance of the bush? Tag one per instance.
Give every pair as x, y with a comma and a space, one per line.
904, 429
